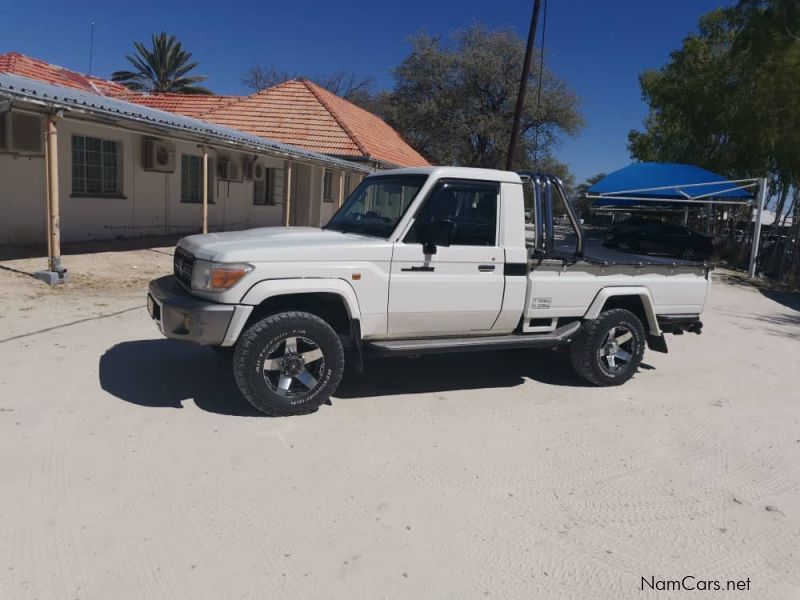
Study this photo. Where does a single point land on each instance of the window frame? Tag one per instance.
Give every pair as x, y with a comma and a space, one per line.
269, 186
327, 185
211, 170
456, 180
103, 166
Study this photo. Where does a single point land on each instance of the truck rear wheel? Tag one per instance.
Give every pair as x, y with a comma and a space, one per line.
288, 363
609, 349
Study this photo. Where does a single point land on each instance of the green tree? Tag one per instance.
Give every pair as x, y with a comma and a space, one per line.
727, 100
162, 68
454, 102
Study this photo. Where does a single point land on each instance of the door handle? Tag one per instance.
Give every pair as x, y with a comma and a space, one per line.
423, 269
485, 268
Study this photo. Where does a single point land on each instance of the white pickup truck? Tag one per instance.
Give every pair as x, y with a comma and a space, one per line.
416, 261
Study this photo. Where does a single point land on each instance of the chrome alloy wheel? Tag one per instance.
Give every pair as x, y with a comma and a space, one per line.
616, 351
293, 366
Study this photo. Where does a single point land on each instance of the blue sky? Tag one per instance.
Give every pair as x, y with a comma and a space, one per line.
598, 47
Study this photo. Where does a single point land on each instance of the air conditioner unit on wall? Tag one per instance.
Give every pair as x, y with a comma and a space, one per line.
158, 155
235, 171
229, 170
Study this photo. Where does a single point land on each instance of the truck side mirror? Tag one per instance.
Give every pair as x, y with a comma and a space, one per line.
432, 235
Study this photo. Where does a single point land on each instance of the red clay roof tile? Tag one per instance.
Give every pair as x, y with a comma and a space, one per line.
190, 105
33, 68
301, 113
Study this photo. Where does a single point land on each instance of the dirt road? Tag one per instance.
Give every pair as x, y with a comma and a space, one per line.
131, 467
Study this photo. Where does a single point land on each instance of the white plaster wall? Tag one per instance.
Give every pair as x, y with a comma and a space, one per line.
151, 200
22, 199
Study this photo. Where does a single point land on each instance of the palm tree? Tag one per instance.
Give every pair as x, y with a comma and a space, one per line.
161, 69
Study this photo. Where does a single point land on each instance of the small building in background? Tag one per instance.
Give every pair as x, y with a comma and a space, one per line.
130, 163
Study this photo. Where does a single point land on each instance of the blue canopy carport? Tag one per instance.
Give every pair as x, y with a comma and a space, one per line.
670, 186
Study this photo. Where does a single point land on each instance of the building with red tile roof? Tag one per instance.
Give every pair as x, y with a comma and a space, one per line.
297, 112
301, 113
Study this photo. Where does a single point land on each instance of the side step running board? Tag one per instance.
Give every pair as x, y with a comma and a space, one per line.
556, 337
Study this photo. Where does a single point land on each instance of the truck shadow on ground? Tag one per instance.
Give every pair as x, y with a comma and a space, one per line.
165, 373
464, 371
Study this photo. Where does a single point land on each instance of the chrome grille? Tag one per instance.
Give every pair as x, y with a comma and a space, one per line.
182, 265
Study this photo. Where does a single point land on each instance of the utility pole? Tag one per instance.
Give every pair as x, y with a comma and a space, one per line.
523, 86
762, 200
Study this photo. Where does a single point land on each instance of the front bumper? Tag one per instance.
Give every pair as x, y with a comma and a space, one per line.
181, 316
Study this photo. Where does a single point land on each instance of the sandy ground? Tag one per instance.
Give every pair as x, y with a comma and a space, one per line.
130, 467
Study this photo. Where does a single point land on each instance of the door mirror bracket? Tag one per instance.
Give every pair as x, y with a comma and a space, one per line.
428, 248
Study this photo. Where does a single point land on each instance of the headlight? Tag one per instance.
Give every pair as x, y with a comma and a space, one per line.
217, 277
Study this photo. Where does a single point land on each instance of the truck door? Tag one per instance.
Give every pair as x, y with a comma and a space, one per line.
459, 288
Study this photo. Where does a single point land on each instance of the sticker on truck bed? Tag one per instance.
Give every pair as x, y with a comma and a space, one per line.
541, 302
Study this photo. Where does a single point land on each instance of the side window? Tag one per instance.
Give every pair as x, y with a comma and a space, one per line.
327, 186
263, 186
95, 166
192, 179
471, 206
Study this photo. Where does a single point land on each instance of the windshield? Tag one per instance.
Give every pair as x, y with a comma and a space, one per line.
377, 205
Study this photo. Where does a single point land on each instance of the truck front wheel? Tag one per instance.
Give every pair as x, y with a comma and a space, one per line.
609, 349
288, 363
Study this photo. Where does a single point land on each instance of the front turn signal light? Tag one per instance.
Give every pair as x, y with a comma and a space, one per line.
217, 277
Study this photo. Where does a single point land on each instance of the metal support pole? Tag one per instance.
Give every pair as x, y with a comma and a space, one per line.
55, 273
288, 193
320, 200
762, 198
54, 223
205, 189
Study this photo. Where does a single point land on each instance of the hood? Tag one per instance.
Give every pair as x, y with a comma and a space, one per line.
300, 244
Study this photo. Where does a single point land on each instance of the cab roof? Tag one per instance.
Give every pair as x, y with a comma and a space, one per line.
456, 172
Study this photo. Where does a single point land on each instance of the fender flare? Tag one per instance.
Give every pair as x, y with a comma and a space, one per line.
270, 288
614, 292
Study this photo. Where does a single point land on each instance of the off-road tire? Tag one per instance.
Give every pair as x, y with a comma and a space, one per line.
253, 346
586, 347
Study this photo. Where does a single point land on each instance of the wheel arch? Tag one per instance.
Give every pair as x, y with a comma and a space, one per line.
333, 300
636, 299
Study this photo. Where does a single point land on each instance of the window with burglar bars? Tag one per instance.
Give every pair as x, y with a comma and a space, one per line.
264, 188
95, 166
327, 186
191, 178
